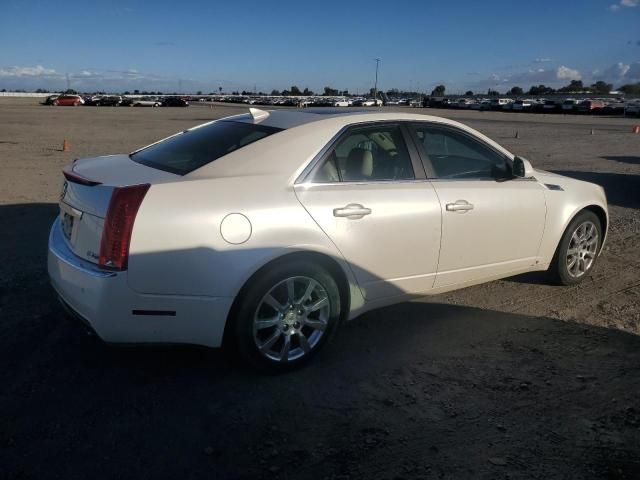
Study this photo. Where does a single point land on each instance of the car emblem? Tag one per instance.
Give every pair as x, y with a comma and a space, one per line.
65, 185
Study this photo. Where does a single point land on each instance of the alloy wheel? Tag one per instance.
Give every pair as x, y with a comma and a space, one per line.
291, 319
582, 249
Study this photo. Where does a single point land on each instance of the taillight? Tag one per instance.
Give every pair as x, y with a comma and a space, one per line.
118, 225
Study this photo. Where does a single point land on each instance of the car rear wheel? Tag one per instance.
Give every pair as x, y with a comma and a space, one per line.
578, 249
286, 315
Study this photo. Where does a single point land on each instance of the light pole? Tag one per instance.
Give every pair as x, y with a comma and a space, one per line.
375, 87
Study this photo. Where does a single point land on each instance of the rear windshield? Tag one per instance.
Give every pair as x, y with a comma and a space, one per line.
192, 149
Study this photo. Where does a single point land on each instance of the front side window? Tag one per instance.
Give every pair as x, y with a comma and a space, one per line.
454, 154
193, 149
367, 154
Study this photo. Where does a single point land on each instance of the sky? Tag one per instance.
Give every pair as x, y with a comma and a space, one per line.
202, 45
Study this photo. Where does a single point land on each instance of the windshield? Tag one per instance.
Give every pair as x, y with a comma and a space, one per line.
195, 148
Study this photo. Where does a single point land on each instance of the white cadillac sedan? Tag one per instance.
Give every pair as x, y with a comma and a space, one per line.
263, 231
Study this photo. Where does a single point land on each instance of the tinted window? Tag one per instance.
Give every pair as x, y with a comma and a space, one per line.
192, 149
364, 154
454, 154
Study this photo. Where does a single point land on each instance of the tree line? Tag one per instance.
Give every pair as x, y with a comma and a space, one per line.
575, 86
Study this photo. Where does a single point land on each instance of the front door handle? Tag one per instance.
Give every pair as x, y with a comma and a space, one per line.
459, 206
353, 210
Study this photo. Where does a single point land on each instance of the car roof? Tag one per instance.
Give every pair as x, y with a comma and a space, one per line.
286, 119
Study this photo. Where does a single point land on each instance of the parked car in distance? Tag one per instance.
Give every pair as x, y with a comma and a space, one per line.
110, 101
498, 103
92, 100
632, 108
569, 105
257, 231
68, 101
551, 106
521, 105
343, 102
147, 102
50, 99
174, 102
614, 107
590, 106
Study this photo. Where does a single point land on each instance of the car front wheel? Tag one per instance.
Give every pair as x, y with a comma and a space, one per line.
578, 249
286, 315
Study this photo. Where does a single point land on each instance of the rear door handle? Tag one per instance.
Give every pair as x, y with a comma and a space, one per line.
353, 210
459, 206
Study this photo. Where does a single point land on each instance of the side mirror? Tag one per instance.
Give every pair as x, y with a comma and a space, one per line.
522, 168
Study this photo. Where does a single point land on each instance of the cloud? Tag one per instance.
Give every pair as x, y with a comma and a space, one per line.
92, 80
566, 73
615, 72
615, 7
619, 73
542, 60
37, 71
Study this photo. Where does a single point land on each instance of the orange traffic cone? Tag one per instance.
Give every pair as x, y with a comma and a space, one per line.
65, 145
636, 129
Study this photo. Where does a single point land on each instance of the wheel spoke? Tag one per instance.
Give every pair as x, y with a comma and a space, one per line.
316, 324
575, 239
571, 264
273, 303
266, 323
307, 294
291, 290
270, 341
318, 305
304, 343
572, 251
284, 353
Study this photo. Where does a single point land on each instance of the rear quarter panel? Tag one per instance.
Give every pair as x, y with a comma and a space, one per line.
177, 247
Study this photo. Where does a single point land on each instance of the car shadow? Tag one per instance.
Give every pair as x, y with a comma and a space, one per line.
530, 278
413, 387
634, 160
622, 189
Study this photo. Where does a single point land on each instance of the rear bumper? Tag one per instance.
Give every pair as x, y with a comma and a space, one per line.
118, 314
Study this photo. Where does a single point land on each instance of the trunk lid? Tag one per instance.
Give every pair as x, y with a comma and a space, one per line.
86, 193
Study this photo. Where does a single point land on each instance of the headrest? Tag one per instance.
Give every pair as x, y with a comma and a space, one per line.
359, 165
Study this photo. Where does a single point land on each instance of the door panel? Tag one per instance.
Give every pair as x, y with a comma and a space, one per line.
488, 228
389, 232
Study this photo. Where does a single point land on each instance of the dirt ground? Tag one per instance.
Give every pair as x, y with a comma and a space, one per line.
508, 380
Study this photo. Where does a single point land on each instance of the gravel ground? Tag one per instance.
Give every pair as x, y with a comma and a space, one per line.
512, 379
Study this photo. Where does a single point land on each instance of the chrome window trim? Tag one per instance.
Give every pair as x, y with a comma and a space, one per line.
377, 182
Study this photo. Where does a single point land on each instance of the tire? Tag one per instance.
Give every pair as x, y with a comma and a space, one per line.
291, 329
578, 249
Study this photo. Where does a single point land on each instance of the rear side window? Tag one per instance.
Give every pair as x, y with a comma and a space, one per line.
367, 154
193, 149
